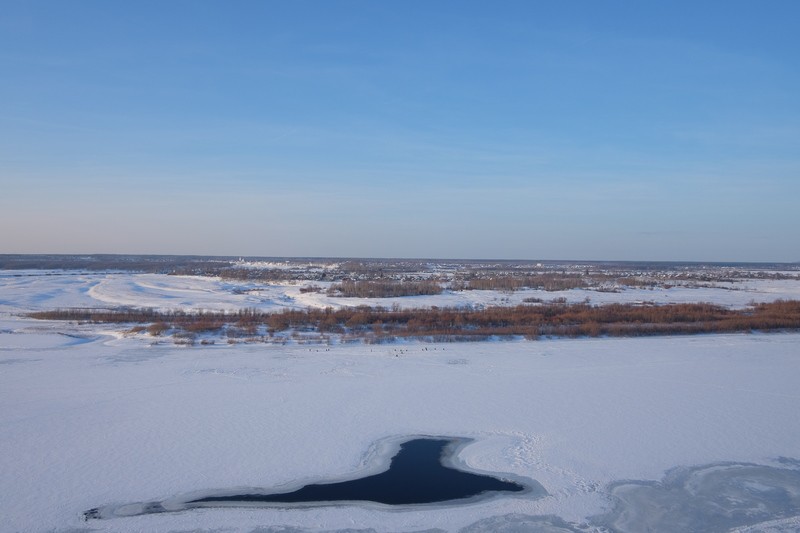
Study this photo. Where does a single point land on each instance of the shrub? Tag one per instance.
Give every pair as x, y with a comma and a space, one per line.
555, 318
384, 289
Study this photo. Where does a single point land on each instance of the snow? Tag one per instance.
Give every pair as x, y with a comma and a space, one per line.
23, 291
90, 419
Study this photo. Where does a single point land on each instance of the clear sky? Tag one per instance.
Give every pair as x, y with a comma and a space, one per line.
457, 129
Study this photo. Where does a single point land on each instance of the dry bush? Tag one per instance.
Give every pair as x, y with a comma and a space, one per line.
204, 322
384, 289
157, 328
531, 321
310, 288
545, 281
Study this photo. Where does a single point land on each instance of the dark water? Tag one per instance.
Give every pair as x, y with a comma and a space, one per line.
416, 475
714, 498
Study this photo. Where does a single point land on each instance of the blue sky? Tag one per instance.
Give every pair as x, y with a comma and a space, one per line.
538, 130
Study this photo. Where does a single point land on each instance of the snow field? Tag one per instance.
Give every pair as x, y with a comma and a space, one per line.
91, 419
113, 421
24, 291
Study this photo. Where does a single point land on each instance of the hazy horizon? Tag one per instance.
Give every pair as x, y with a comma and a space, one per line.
452, 130
544, 260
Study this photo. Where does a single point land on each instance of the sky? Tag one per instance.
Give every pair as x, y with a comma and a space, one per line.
596, 130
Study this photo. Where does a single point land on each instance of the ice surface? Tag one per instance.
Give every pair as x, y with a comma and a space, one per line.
708, 498
89, 420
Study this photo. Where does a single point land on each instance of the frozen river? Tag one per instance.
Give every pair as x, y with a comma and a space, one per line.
671, 433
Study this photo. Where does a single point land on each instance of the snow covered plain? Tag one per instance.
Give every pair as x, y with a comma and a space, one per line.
618, 431
28, 290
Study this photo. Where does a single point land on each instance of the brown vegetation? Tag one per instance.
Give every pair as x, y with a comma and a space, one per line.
544, 281
384, 289
531, 321
310, 288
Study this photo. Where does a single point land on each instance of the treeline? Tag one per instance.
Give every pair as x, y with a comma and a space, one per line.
544, 281
161, 264
384, 289
530, 321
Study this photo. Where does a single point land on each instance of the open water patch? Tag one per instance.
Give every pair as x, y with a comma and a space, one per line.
423, 471
416, 475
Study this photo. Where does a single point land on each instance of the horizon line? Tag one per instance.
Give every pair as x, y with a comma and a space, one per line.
413, 259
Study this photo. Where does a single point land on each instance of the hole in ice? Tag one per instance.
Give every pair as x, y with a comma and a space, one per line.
422, 472
416, 475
